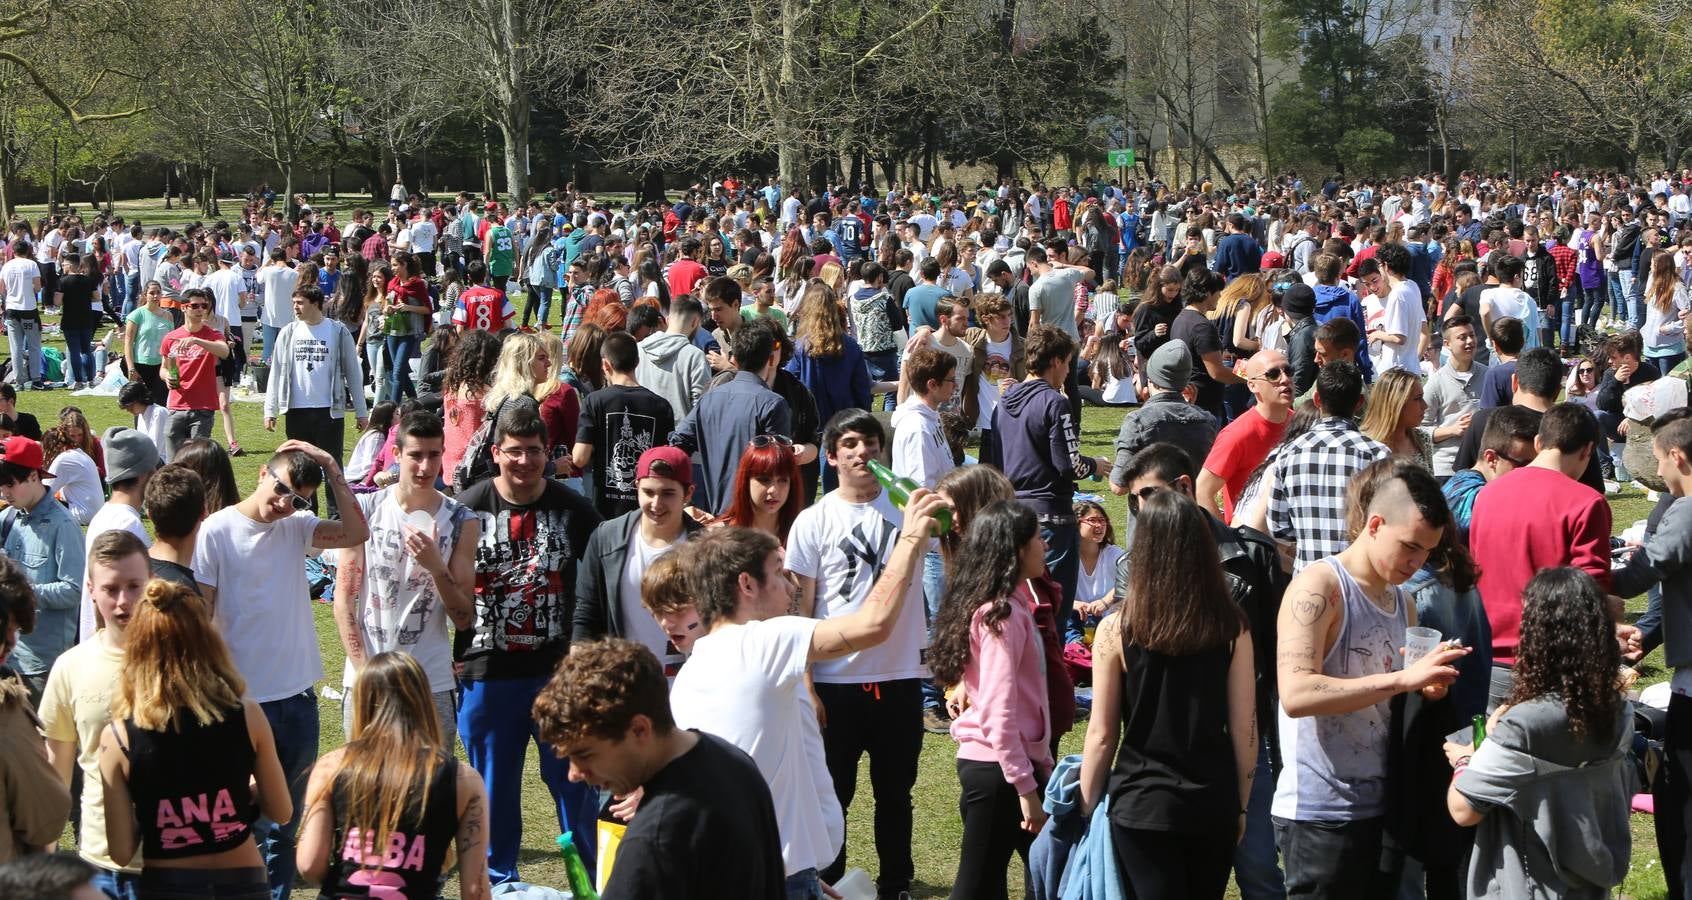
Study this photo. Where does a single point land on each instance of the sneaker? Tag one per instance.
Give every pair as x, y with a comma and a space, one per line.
934, 721
235, 449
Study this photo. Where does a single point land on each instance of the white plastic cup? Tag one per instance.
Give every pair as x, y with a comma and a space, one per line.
856, 885
1419, 642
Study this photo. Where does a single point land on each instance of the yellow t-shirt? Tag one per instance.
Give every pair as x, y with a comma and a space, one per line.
77, 706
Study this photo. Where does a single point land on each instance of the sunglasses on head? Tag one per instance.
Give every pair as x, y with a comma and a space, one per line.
282, 490
766, 440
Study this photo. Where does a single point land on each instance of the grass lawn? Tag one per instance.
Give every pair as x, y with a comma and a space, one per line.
938, 829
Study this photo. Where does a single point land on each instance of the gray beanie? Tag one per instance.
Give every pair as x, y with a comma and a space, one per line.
129, 454
1170, 366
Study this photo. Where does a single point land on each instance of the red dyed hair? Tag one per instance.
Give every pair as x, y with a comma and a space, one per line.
763, 462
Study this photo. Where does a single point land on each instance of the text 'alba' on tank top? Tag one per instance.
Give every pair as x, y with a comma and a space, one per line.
1335, 766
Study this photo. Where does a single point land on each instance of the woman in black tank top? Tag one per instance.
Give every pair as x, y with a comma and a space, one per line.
383, 811
1173, 682
180, 753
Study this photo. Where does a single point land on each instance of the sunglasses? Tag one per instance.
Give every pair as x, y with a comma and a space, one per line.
1135, 498
768, 440
199, 306
1586, 370
282, 490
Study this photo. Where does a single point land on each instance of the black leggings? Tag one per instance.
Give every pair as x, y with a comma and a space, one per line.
1674, 791
1095, 397
1158, 865
156, 387
992, 831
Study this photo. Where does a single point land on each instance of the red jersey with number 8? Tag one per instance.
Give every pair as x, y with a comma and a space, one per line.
484, 309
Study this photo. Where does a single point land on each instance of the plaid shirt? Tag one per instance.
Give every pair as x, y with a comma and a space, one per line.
1311, 473
1566, 259
575, 306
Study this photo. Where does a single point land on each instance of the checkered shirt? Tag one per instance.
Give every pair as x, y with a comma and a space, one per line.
1311, 473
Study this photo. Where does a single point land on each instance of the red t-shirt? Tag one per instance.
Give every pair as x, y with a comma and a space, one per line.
1060, 215
1527, 521
1238, 451
684, 274
484, 308
196, 379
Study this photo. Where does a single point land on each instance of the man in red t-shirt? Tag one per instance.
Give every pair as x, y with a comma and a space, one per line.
1539, 517
1242, 446
687, 271
191, 354
482, 308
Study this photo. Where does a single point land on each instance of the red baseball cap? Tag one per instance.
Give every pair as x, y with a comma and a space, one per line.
26, 454
665, 462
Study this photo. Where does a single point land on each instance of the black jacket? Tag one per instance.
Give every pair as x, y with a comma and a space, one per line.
599, 577
1301, 353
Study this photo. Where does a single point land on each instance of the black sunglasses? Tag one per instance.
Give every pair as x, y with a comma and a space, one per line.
765, 440
1275, 373
1144, 493
282, 490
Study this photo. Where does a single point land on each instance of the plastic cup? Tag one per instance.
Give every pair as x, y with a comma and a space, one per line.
1419, 642
855, 885
422, 521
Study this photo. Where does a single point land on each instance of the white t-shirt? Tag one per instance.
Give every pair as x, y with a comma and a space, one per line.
423, 238
110, 517
920, 451
996, 368
1506, 302
925, 225
226, 286
844, 546
310, 365
263, 602
638, 624
1401, 313
154, 422
19, 276
47, 249
276, 283
1101, 582
76, 482
399, 606
746, 685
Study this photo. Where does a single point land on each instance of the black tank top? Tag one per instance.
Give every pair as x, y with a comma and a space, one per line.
410, 861
1175, 771
190, 786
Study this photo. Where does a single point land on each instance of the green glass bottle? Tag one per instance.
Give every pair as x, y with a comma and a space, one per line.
581, 884
899, 490
1480, 729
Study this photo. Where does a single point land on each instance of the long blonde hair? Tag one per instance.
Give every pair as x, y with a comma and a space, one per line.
821, 325
1386, 404
394, 746
514, 373
554, 347
1663, 282
1249, 287
175, 663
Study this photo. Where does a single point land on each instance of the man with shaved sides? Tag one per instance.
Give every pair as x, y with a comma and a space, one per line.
1341, 629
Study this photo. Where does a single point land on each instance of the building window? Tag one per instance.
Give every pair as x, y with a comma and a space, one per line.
1436, 43
1436, 7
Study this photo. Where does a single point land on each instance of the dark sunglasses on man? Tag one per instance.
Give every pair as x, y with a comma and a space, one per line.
282, 490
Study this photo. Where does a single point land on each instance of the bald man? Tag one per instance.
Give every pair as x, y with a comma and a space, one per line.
1340, 632
1242, 446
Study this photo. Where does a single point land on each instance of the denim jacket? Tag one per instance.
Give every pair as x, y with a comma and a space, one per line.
47, 544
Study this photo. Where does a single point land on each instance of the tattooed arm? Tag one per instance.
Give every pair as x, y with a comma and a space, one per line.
1307, 626
348, 589
472, 836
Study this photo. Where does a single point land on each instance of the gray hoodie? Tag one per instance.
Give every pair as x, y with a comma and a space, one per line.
1556, 808
671, 367
1666, 557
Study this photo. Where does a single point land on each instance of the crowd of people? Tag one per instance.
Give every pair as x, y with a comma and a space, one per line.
794, 480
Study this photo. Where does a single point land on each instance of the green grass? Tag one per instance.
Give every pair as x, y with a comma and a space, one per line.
937, 831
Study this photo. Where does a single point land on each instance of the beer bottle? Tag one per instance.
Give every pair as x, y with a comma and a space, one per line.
899, 490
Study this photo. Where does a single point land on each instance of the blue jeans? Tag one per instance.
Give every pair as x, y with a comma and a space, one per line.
293, 720
933, 591
1594, 303
270, 333
1063, 561
373, 358
1667, 361
131, 293
117, 885
79, 348
1571, 303
804, 886
496, 726
1634, 291
1257, 868
1618, 296
401, 348
884, 366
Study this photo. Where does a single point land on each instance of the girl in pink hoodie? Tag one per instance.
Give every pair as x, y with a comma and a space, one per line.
986, 639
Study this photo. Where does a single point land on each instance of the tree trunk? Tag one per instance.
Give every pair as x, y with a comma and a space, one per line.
211, 189
651, 188
399, 177
487, 165
53, 181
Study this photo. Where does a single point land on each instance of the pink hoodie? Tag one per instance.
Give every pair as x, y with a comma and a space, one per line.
1007, 721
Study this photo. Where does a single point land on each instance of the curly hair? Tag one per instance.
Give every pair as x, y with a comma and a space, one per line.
17, 596
598, 690
471, 370
1568, 649
985, 573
